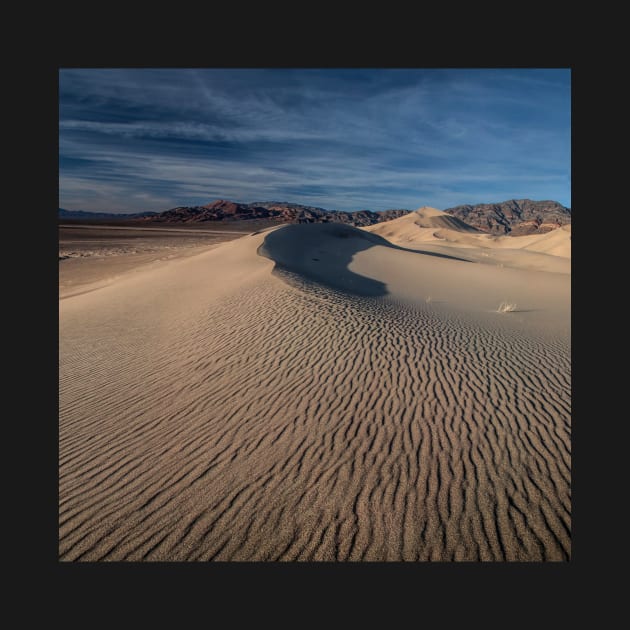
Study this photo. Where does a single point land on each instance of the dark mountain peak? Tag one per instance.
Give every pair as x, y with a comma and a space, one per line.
230, 207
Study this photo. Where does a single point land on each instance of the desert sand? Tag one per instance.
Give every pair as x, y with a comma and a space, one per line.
92, 256
433, 230
322, 393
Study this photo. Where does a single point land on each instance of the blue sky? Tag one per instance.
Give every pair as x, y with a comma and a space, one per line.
133, 140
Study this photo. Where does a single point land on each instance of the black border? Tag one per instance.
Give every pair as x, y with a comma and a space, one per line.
459, 587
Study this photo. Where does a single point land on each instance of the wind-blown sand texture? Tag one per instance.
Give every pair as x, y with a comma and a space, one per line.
317, 393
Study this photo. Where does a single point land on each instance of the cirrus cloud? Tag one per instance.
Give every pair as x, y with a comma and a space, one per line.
150, 139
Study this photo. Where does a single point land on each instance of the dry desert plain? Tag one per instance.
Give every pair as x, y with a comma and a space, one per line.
315, 392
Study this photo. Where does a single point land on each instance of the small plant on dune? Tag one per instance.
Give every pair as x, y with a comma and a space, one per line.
506, 307
428, 300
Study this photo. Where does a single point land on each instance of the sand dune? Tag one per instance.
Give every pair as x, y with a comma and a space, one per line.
421, 225
427, 217
432, 230
315, 393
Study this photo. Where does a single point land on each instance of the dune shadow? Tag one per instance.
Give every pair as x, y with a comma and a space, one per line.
322, 253
386, 243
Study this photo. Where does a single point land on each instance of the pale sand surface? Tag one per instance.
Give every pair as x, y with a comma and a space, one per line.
354, 401
434, 230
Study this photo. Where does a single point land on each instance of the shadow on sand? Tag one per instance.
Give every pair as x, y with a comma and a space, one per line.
323, 251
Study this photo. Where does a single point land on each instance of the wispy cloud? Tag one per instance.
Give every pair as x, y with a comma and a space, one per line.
135, 140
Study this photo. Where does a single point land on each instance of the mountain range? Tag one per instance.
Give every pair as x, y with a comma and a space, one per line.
514, 217
282, 212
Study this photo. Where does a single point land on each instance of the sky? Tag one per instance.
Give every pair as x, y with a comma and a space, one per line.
136, 140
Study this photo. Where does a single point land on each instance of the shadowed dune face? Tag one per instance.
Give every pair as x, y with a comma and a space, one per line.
442, 220
323, 252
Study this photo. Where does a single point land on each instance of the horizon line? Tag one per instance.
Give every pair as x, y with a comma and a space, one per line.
253, 203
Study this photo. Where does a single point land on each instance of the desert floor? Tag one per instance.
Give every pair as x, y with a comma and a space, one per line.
316, 393
92, 256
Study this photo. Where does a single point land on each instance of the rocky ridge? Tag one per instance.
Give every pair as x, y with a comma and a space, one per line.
282, 212
516, 217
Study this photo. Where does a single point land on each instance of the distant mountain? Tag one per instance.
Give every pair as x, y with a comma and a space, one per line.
97, 216
282, 212
516, 217
286, 204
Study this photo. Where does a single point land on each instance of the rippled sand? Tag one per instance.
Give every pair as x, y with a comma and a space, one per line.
310, 394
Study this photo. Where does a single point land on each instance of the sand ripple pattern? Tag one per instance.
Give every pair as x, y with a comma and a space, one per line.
287, 421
